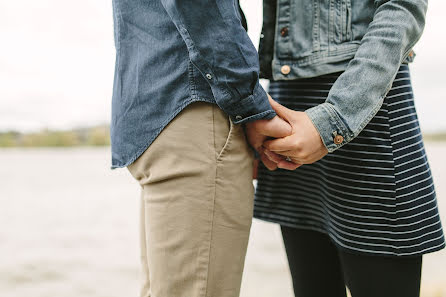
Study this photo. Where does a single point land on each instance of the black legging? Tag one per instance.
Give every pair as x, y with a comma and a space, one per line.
319, 269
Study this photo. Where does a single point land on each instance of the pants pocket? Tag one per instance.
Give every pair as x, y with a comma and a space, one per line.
223, 132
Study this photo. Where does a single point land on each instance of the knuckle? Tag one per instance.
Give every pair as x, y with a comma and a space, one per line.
298, 146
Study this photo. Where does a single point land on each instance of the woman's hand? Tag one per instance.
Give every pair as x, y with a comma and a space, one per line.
303, 146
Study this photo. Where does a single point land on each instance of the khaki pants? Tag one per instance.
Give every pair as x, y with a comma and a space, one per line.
197, 204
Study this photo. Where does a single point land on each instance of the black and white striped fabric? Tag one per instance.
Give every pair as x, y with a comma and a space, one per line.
375, 195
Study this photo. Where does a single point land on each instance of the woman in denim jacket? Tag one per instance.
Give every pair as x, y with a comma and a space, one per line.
365, 211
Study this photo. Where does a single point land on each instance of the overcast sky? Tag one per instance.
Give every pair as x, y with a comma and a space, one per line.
57, 62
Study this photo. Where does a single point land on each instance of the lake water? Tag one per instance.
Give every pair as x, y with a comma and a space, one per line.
69, 227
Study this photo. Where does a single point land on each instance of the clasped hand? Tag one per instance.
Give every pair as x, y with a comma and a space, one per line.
286, 141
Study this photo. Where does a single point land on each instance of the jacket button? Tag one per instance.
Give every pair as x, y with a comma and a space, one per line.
284, 31
338, 139
285, 69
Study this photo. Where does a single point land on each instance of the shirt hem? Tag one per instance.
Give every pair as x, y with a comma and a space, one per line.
347, 249
160, 129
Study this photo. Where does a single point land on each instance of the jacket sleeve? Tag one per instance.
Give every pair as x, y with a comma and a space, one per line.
220, 48
358, 93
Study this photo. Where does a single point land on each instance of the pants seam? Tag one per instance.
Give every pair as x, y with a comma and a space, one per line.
213, 207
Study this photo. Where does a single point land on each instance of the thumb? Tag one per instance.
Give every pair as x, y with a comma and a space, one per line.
281, 110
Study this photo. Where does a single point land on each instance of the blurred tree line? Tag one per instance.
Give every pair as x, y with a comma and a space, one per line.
441, 136
93, 136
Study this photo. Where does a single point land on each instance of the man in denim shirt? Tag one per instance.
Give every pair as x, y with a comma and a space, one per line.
186, 77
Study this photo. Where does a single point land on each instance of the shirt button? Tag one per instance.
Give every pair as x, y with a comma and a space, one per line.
284, 31
238, 118
285, 69
208, 76
338, 139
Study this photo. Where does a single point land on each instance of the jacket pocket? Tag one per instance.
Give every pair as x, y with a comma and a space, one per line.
296, 29
342, 22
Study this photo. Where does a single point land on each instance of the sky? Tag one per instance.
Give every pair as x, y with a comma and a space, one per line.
57, 62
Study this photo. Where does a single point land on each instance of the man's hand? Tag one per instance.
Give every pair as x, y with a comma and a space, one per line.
303, 146
258, 132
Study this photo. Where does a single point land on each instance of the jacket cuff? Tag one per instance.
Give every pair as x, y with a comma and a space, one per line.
331, 128
252, 108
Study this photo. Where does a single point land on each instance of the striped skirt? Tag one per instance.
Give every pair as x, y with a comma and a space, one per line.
375, 195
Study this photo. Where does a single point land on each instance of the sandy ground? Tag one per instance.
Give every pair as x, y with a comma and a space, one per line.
68, 227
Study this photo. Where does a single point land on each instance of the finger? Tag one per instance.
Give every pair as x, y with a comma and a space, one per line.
288, 165
276, 127
281, 110
280, 144
289, 153
268, 163
257, 145
273, 156
255, 139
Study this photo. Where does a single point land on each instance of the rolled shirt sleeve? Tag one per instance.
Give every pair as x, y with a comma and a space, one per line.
358, 93
221, 50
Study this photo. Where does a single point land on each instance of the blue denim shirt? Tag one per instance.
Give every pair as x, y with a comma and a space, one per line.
367, 40
170, 53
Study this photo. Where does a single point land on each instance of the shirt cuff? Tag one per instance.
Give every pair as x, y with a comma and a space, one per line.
334, 133
252, 108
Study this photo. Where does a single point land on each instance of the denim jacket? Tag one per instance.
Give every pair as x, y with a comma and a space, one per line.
170, 53
366, 39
